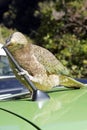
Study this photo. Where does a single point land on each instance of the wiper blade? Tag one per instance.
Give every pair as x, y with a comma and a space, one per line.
15, 96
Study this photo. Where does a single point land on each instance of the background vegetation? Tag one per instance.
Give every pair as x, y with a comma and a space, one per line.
58, 25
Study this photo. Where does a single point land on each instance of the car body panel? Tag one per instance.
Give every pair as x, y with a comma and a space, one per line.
2, 52
65, 110
12, 122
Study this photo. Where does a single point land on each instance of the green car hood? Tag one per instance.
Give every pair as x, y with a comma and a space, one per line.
65, 110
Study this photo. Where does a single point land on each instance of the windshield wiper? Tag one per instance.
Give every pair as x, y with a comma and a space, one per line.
21, 95
36, 93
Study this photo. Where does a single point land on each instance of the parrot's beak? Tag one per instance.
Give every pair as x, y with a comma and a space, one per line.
7, 43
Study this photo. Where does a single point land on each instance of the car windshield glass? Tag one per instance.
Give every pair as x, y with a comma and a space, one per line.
4, 66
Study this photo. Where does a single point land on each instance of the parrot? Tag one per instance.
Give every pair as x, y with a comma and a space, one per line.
39, 64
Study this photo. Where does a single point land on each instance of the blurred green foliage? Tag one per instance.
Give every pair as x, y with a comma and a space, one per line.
62, 28
5, 33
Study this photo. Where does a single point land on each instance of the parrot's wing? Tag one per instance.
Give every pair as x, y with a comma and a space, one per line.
49, 61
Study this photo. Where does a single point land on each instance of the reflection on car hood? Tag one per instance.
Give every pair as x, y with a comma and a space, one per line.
66, 110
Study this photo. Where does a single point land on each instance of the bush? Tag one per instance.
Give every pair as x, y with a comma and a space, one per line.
63, 31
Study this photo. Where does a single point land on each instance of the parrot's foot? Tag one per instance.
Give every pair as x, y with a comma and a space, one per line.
24, 72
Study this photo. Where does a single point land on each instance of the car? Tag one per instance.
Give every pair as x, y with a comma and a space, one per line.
58, 109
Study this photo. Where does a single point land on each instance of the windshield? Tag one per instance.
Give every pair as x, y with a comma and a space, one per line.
10, 87
4, 66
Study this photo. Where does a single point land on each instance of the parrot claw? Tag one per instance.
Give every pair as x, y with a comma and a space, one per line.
21, 73
24, 72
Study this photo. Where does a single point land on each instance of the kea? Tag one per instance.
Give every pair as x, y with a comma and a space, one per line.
39, 64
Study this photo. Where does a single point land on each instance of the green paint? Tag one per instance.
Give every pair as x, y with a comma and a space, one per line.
66, 110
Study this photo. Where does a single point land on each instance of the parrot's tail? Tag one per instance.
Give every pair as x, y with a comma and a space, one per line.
70, 82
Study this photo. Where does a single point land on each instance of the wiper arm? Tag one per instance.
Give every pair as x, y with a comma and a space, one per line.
36, 94
15, 96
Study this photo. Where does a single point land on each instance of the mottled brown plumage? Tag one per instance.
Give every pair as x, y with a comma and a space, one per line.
42, 67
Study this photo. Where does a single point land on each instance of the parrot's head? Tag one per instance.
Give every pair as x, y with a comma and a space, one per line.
16, 41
